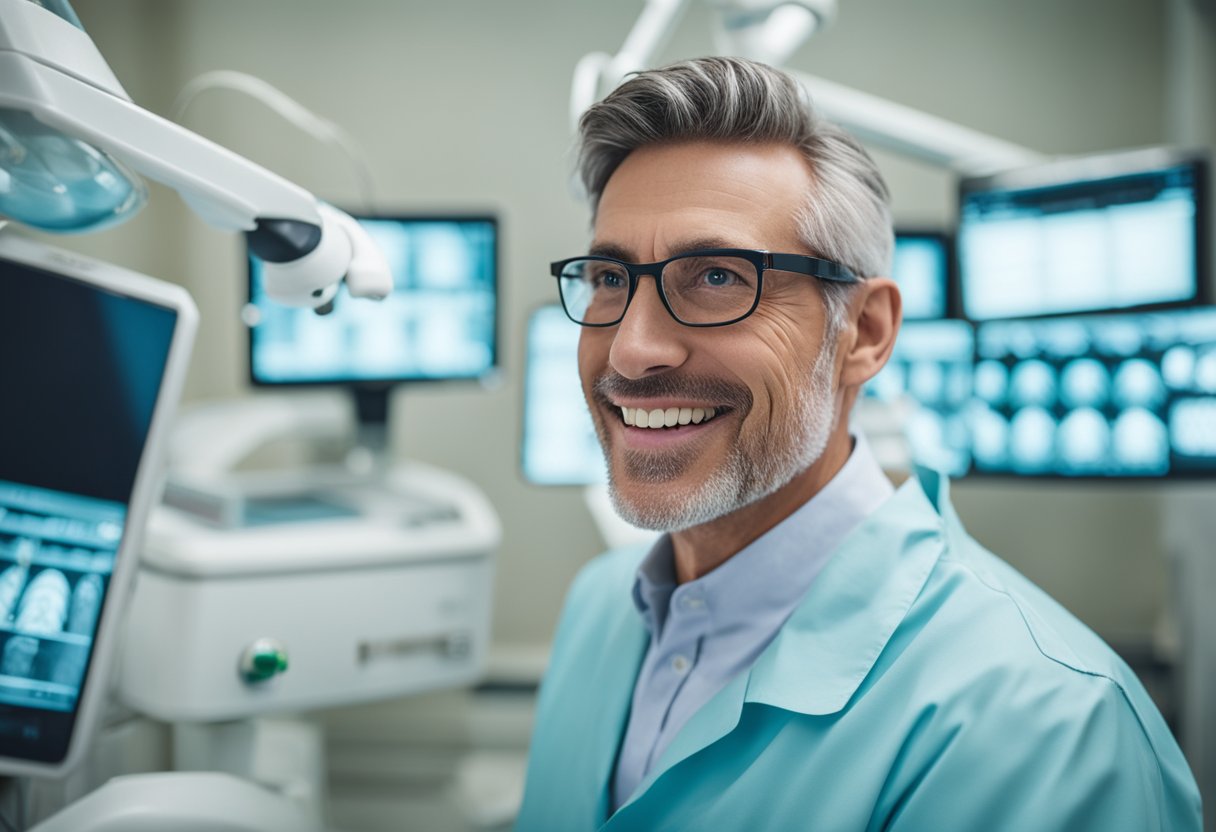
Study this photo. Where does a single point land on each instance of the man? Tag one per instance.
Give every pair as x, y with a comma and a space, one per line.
806, 648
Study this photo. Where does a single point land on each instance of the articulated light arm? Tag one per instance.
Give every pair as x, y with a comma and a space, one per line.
771, 31
598, 73
52, 70
913, 133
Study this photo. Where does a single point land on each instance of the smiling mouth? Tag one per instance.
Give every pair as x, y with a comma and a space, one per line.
667, 418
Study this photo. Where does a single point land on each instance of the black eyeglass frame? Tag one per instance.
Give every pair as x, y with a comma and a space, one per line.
802, 264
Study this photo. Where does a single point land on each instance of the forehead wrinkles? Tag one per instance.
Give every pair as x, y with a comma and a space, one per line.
665, 192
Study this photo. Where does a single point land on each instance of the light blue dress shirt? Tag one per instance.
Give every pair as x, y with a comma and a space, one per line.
920, 684
705, 632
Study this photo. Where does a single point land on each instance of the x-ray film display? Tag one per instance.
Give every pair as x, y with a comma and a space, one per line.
84, 361
559, 445
1083, 236
438, 323
931, 368
1100, 396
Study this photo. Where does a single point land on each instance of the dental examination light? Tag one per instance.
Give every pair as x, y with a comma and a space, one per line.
771, 31
72, 144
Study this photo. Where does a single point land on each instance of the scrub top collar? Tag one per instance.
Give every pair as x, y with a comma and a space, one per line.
830, 643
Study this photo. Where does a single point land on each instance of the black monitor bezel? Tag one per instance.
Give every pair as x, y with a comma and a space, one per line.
387, 383
1099, 168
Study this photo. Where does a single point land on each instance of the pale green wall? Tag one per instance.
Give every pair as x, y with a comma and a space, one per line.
462, 105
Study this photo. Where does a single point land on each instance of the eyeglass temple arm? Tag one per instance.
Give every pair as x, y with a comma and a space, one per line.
814, 266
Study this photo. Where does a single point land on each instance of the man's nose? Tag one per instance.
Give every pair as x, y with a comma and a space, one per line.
648, 340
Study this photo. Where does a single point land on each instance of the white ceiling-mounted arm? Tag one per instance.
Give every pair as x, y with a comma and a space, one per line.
771, 31
913, 133
598, 73
52, 70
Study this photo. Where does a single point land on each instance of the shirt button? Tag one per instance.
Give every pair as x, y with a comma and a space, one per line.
680, 664
692, 602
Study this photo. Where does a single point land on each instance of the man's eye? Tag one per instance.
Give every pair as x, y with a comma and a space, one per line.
717, 278
610, 279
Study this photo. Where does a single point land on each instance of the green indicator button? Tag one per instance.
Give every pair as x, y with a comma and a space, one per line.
262, 660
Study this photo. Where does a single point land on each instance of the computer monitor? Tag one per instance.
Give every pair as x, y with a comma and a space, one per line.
1119, 232
931, 367
921, 267
1131, 396
439, 323
94, 359
559, 442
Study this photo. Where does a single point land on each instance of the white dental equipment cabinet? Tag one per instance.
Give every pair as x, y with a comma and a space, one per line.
298, 588
374, 583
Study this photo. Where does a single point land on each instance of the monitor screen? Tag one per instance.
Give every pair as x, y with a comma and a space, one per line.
83, 370
440, 322
1111, 233
559, 443
1099, 396
921, 267
931, 367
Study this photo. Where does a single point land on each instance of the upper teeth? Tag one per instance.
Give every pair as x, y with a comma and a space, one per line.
668, 418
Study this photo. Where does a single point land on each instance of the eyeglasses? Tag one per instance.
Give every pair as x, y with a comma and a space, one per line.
710, 287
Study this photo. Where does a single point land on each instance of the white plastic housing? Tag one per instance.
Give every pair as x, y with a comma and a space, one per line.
367, 608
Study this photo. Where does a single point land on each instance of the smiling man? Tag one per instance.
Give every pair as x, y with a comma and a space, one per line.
805, 647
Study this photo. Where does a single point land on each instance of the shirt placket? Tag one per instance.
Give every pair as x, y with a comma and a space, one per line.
679, 651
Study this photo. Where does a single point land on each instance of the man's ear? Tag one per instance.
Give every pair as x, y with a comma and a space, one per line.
876, 313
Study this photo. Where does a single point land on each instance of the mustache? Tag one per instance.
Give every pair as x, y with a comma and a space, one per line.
698, 388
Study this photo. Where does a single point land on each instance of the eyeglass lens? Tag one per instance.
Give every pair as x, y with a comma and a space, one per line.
700, 289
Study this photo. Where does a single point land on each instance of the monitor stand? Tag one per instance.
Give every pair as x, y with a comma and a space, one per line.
370, 454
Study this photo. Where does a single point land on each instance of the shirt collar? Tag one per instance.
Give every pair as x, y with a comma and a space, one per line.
775, 570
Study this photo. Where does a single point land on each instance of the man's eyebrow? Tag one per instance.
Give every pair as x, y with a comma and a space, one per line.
611, 250
617, 252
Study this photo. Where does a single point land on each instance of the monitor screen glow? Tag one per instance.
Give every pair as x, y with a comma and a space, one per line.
932, 367
440, 322
83, 372
921, 268
1097, 396
559, 443
1126, 240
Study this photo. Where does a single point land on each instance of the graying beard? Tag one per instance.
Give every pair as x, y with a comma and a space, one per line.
736, 483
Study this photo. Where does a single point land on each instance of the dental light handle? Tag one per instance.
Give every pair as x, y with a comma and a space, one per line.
300, 259
54, 71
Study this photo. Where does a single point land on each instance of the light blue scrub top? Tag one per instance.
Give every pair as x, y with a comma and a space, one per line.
922, 684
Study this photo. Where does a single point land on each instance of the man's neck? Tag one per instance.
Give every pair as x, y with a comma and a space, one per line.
702, 549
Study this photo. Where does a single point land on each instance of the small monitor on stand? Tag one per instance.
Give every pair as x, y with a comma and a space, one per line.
440, 322
922, 268
559, 444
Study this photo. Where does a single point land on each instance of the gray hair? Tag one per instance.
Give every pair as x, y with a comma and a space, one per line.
846, 217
